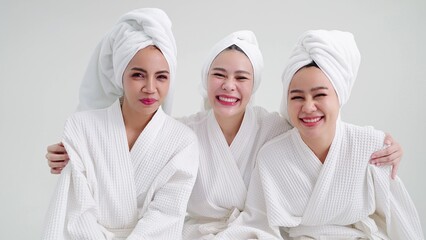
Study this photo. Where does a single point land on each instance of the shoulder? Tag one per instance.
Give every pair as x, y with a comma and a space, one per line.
278, 145
86, 117
194, 120
363, 133
176, 128
271, 121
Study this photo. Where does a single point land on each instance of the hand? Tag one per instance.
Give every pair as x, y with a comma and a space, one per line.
57, 158
391, 155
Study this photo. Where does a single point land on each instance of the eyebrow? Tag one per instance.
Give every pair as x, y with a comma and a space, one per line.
319, 88
312, 89
143, 70
239, 71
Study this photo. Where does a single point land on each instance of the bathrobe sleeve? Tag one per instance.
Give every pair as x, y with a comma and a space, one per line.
252, 223
395, 211
166, 210
73, 209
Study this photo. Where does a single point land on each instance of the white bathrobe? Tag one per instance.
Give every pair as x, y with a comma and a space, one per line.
109, 192
224, 173
344, 198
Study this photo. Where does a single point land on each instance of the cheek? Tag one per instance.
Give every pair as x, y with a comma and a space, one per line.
165, 86
293, 110
212, 86
247, 89
127, 86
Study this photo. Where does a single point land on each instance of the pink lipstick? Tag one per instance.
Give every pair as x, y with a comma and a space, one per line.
148, 101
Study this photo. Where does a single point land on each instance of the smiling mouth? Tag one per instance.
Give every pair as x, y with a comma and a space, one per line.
230, 100
311, 120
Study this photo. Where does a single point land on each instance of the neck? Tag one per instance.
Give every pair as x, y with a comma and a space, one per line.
134, 123
319, 145
229, 126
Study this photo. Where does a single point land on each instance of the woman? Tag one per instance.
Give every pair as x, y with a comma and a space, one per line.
230, 133
132, 167
316, 178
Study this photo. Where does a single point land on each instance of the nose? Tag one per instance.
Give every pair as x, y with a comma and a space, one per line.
150, 85
309, 106
229, 84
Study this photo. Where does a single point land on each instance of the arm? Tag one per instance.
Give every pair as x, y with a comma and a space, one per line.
73, 209
389, 156
71, 213
165, 205
395, 207
57, 157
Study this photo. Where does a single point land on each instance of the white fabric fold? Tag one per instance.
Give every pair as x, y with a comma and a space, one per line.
135, 30
109, 192
345, 197
225, 171
336, 54
244, 39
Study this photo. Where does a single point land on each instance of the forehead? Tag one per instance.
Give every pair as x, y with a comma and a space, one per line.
149, 57
232, 59
308, 78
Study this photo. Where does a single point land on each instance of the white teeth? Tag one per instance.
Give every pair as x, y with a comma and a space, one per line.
225, 99
312, 120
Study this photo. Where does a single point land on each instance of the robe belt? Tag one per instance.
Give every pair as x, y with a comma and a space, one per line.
221, 224
116, 233
303, 232
364, 229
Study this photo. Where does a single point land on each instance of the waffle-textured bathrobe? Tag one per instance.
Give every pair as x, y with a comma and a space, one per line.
345, 198
109, 192
224, 173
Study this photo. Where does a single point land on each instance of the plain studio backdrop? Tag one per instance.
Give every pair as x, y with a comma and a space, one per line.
46, 45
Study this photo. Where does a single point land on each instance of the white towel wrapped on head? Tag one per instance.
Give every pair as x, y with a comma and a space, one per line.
102, 83
336, 54
244, 39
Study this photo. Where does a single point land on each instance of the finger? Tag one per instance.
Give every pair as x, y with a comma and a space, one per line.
56, 148
392, 159
57, 157
57, 164
388, 139
55, 170
394, 171
386, 151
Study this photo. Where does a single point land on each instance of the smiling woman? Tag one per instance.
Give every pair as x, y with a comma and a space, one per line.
229, 87
316, 178
313, 108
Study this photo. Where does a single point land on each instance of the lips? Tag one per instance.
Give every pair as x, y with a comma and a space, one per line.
227, 100
148, 101
311, 121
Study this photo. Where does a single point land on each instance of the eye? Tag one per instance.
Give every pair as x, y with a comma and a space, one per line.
242, 78
162, 77
138, 75
218, 75
320, 95
296, 98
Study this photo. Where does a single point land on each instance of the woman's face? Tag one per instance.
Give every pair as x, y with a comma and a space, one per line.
146, 81
313, 105
230, 84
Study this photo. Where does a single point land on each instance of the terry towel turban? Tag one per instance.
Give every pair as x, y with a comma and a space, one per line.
102, 84
336, 54
246, 40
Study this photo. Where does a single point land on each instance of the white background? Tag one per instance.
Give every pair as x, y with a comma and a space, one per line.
45, 47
